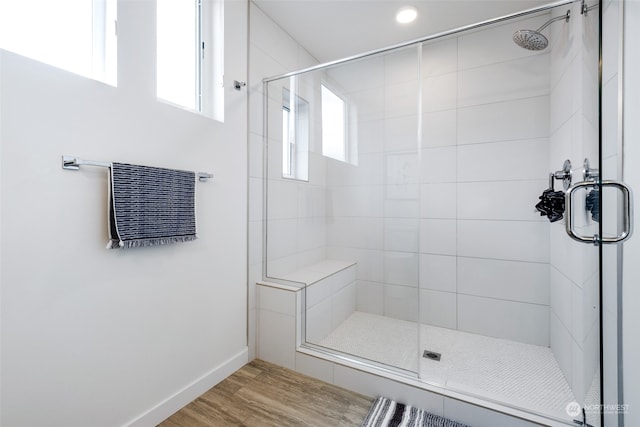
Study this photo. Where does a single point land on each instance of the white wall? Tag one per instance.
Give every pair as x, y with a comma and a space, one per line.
106, 338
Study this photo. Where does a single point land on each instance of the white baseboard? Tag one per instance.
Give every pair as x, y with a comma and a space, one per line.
172, 404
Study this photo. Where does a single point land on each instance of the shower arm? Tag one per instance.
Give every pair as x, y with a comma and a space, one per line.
557, 18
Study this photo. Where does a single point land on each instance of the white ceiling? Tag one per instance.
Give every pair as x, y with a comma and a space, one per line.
334, 29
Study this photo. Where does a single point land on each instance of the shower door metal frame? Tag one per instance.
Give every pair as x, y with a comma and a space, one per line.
435, 36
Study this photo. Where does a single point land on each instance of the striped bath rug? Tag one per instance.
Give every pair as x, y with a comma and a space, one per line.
388, 413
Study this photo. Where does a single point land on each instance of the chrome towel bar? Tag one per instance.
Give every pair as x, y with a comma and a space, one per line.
73, 163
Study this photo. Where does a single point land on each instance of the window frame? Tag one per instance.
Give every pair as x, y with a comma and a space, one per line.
208, 96
288, 145
44, 39
296, 139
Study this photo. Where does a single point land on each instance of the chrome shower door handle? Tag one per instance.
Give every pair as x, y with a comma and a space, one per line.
627, 219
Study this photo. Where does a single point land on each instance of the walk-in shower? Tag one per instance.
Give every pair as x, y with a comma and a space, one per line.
400, 189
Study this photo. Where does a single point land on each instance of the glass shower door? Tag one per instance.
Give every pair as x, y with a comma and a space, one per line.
510, 304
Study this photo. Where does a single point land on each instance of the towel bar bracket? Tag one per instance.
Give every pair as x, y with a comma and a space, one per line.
74, 163
204, 176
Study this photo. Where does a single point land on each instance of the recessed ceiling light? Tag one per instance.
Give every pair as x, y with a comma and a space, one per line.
406, 14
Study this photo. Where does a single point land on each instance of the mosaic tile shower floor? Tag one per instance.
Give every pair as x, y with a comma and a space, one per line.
516, 374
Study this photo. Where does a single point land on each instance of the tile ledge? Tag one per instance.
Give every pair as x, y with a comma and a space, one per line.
312, 273
281, 286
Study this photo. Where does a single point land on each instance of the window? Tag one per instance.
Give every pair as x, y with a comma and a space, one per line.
190, 54
178, 53
334, 131
295, 136
76, 35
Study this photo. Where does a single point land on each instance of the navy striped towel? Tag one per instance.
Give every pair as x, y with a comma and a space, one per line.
150, 206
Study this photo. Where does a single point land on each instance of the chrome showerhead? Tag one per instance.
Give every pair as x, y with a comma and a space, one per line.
530, 39
534, 40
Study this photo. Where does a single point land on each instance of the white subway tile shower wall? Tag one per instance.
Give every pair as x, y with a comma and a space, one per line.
458, 203
522, 118
523, 322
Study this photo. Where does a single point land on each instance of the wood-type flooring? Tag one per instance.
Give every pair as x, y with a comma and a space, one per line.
263, 394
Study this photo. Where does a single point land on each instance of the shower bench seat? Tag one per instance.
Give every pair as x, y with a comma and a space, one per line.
326, 291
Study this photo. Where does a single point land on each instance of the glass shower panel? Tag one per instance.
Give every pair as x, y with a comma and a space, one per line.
343, 202
508, 302
290, 190
399, 155
438, 208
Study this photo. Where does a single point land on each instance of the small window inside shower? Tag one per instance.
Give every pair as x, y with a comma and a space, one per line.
334, 125
295, 136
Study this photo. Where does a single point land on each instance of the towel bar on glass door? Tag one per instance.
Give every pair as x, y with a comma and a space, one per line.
74, 163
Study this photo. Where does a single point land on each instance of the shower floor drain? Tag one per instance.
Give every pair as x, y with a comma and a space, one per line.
432, 355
